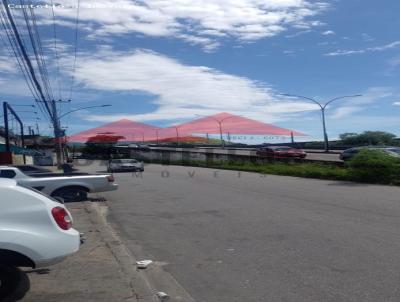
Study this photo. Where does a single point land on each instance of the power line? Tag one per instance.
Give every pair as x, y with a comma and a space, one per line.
39, 43
56, 51
41, 55
12, 51
15, 50
26, 57
39, 59
76, 48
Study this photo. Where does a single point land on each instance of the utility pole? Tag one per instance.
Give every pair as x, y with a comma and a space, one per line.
6, 128
157, 136
177, 136
57, 133
6, 108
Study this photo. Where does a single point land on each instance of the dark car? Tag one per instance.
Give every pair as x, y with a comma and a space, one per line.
141, 147
281, 152
350, 153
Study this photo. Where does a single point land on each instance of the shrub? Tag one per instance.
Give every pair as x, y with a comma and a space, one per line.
374, 166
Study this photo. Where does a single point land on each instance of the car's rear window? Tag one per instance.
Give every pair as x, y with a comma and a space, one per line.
7, 174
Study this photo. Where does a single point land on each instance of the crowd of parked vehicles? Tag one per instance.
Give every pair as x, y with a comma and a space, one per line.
36, 228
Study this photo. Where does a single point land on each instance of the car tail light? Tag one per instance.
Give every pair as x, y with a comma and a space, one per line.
62, 218
110, 178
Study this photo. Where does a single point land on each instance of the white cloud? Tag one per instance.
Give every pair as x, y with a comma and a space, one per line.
299, 33
367, 38
392, 45
290, 53
179, 90
208, 44
396, 103
204, 19
8, 65
328, 33
345, 112
394, 62
358, 104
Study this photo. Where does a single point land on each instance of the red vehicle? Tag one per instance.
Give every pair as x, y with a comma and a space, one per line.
281, 152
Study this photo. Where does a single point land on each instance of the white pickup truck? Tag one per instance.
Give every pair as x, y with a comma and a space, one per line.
67, 187
35, 231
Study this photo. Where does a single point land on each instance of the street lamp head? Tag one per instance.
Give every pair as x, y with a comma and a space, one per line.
108, 105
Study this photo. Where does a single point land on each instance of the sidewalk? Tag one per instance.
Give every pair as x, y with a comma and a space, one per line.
98, 272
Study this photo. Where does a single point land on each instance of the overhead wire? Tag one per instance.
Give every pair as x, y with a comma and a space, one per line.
27, 59
75, 49
13, 52
39, 44
42, 61
39, 59
57, 57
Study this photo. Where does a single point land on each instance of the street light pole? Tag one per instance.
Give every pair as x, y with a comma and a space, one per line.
82, 108
177, 135
326, 140
323, 107
59, 133
219, 121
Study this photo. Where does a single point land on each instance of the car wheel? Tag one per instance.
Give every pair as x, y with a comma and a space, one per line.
14, 284
72, 194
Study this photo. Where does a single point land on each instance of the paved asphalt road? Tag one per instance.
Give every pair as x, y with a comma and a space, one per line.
228, 237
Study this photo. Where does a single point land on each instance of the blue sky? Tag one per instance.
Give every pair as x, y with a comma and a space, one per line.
162, 62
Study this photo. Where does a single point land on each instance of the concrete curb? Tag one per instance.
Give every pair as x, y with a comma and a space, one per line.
141, 289
145, 284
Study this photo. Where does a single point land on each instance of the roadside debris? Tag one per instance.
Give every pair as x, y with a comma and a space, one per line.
143, 264
163, 296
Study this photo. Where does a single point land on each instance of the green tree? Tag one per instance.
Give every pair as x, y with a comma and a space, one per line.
374, 166
101, 144
368, 138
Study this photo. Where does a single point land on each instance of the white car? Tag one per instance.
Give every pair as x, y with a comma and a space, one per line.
68, 187
129, 164
35, 231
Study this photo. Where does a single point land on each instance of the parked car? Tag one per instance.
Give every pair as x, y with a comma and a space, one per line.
141, 147
68, 187
129, 164
350, 153
281, 152
35, 231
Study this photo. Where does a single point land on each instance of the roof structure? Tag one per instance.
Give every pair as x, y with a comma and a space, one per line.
229, 123
234, 124
127, 129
